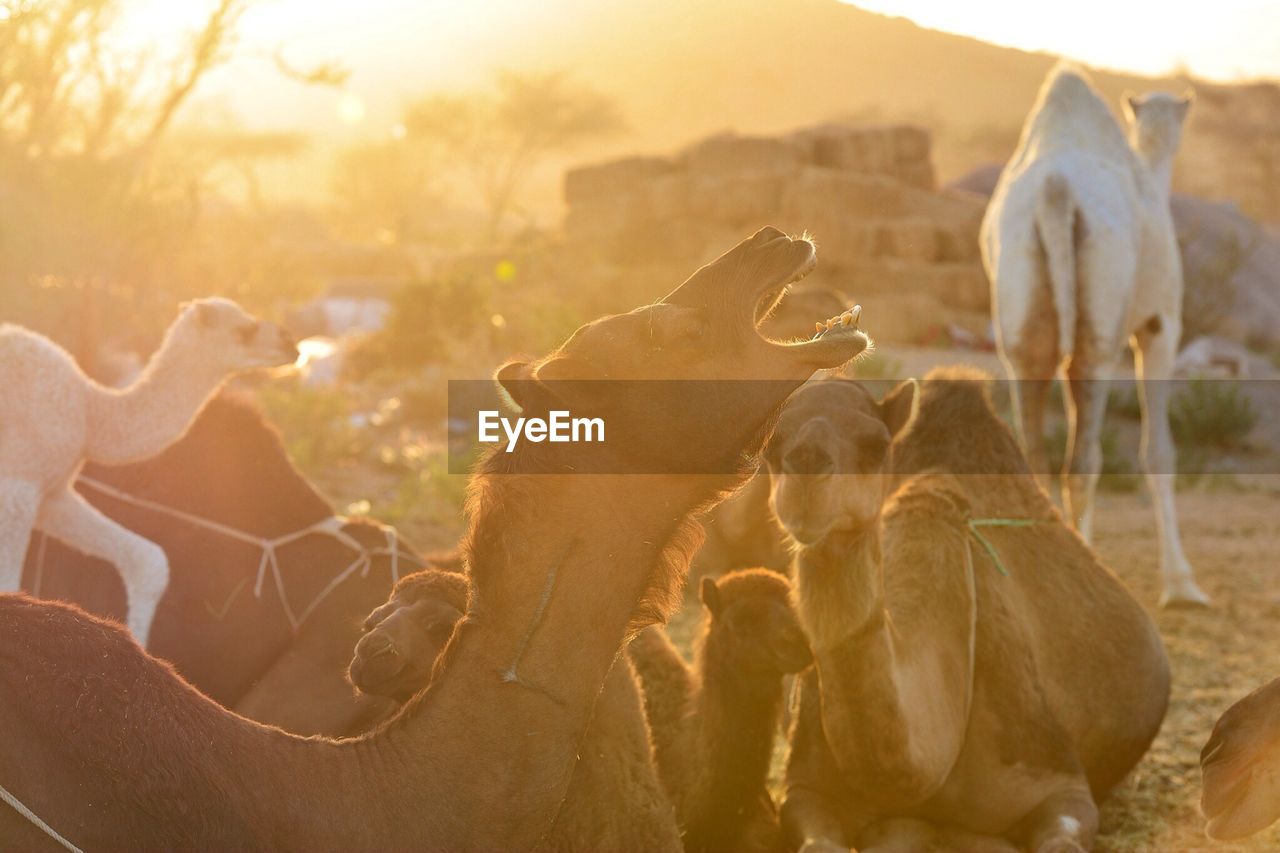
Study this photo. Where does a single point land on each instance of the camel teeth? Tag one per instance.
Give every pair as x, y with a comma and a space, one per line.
856, 313
846, 318
818, 328
831, 323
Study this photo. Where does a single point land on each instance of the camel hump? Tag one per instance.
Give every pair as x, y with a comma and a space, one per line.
933, 494
1055, 223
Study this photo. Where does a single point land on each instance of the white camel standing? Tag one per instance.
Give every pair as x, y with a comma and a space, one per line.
55, 418
1080, 247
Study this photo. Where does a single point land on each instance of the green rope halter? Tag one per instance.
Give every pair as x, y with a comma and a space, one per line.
975, 523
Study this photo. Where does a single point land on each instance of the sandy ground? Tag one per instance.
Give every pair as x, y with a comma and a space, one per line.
1231, 535
1218, 655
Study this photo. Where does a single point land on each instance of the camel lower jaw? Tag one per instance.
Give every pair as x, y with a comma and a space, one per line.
832, 349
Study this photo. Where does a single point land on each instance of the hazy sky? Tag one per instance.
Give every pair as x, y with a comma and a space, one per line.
1224, 39
397, 49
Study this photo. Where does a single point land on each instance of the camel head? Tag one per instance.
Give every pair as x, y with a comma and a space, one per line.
752, 623
1240, 766
403, 637
228, 338
828, 457
722, 379
1155, 123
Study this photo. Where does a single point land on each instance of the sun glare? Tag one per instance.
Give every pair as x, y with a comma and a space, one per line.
351, 108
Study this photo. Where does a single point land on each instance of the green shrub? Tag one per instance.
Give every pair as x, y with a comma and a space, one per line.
315, 424
1210, 413
1118, 474
426, 320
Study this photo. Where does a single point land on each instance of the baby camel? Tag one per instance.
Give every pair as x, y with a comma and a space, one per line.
713, 726
55, 418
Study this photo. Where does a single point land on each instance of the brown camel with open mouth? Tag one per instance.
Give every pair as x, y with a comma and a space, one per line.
112, 749
1241, 767
980, 677
226, 637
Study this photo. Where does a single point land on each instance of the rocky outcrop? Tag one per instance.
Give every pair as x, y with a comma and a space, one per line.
867, 194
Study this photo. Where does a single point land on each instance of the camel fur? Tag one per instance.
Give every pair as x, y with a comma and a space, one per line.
563, 566
1079, 244
714, 724
1240, 765
614, 800
955, 701
56, 418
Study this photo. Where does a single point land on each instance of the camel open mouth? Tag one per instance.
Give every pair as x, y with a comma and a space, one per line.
837, 339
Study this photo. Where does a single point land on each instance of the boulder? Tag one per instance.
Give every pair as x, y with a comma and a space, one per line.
616, 177
730, 154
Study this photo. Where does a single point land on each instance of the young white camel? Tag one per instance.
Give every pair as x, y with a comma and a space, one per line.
55, 418
1080, 247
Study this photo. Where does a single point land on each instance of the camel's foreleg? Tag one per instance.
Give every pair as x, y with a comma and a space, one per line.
811, 818
1154, 351
142, 564
1064, 822
19, 505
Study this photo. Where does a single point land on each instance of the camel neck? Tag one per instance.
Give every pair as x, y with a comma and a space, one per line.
1160, 166
562, 567
839, 586
155, 411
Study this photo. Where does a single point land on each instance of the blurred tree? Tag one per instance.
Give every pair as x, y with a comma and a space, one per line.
501, 137
101, 200
386, 190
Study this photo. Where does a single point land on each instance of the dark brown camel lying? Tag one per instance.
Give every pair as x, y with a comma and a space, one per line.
952, 703
1241, 767
114, 750
237, 647
614, 801
713, 724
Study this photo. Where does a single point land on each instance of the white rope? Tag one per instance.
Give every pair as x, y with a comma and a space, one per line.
18, 807
330, 526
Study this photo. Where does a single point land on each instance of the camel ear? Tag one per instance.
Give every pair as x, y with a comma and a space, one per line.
1131, 101
898, 407
205, 315
710, 595
521, 387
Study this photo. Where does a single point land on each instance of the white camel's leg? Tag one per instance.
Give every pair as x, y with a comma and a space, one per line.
1086, 408
1027, 338
142, 564
1029, 397
1153, 357
1064, 822
19, 505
